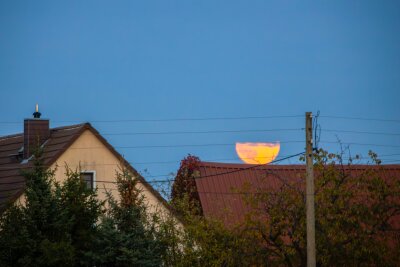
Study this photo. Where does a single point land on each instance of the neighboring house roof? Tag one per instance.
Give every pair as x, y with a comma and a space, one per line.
223, 186
12, 182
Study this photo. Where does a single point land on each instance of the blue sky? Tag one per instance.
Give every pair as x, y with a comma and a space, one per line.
114, 61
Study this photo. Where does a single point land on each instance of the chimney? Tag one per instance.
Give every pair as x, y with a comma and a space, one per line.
36, 132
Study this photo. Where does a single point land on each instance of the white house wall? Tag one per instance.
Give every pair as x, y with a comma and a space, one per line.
89, 154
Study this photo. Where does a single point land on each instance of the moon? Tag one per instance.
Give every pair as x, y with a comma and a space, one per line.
257, 153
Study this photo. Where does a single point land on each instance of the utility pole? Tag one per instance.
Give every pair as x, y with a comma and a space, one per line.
311, 262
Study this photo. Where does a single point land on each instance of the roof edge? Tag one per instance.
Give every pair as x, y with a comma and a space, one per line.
209, 164
88, 126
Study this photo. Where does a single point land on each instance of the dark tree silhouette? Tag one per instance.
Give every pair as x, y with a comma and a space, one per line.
184, 186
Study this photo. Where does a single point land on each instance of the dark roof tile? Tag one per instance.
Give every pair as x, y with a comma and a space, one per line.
223, 186
12, 182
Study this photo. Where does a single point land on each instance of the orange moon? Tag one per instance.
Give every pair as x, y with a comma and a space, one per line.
257, 153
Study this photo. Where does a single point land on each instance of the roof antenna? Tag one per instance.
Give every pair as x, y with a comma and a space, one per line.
37, 114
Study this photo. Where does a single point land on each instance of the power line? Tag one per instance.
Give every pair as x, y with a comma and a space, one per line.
215, 192
175, 119
396, 160
383, 157
206, 132
360, 132
247, 168
235, 131
230, 144
186, 132
175, 146
361, 118
200, 177
358, 144
214, 119
251, 167
138, 163
172, 180
166, 146
219, 159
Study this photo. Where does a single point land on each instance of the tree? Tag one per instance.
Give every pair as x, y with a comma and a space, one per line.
354, 210
205, 242
127, 235
80, 209
184, 186
54, 225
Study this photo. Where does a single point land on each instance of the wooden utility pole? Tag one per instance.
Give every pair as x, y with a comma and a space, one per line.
311, 262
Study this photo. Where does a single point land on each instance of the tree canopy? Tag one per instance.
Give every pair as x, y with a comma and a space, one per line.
355, 213
127, 234
64, 224
184, 185
55, 225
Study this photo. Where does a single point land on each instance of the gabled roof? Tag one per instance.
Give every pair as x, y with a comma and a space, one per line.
223, 186
12, 183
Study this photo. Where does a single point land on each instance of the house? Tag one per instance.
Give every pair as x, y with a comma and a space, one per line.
74, 146
222, 187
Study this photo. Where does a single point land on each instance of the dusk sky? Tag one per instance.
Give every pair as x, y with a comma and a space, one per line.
136, 67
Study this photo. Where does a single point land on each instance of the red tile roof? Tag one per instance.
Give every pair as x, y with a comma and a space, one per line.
12, 182
221, 185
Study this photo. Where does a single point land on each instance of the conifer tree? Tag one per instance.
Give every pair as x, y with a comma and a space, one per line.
53, 226
126, 236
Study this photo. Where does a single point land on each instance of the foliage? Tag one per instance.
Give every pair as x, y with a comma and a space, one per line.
184, 186
81, 210
55, 224
354, 208
63, 224
205, 242
127, 234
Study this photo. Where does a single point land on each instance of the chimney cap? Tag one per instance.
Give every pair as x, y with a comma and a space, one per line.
37, 114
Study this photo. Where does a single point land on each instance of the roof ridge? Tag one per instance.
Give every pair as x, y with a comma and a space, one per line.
243, 165
69, 127
10, 136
